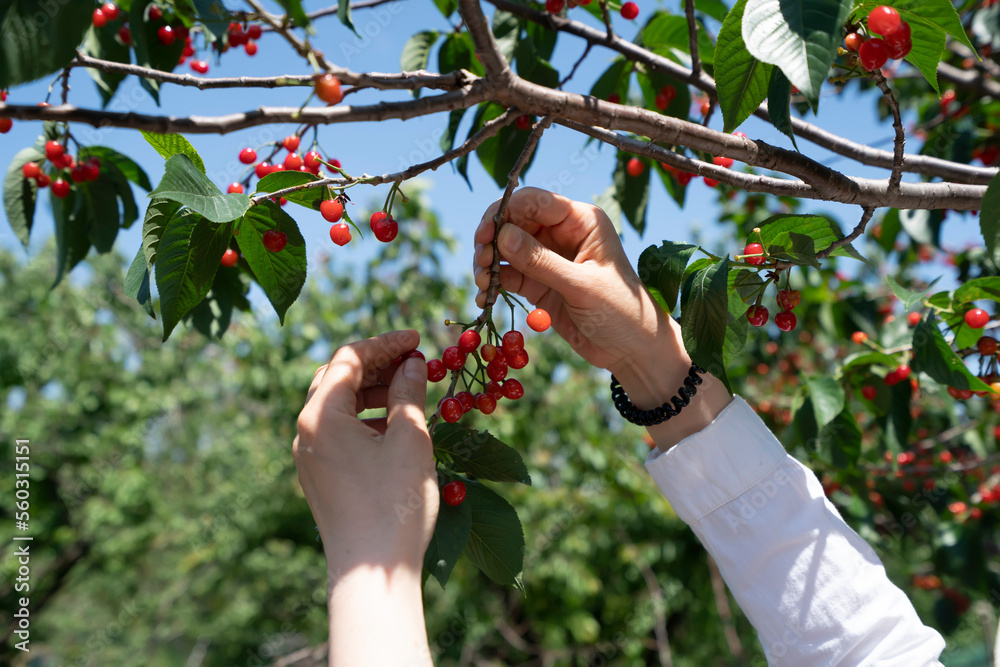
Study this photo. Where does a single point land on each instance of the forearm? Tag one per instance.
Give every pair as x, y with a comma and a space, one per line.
377, 618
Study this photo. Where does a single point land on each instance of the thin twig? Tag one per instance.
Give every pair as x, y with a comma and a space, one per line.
692, 38
65, 85
725, 612
512, 180
606, 16
576, 65
899, 143
497, 68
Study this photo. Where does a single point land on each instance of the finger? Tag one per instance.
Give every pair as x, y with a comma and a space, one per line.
537, 262
372, 398
407, 396
317, 378
510, 278
356, 366
376, 423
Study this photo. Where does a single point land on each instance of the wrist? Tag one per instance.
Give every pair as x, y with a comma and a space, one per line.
651, 371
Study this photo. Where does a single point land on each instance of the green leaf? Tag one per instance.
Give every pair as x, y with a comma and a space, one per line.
118, 189
124, 164
458, 52
417, 51
72, 240
748, 284
778, 229
98, 204
612, 80
779, 99
827, 396
925, 54
158, 214
480, 454
447, 7
933, 355
652, 82
704, 316
989, 219
908, 297
38, 39
868, 359
344, 14
533, 68
737, 327
451, 534
454, 120
496, 541
183, 183
506, 32
802, 250
543, 39
214, 16
137, 283
279, 180
677, 191
661, 269
839, 442
667, 35
499, 154
169, 145
890, 228
741, 79
714, 8
186, 263
293, 9
632, 192
19, 193
923, 226
280, 274
976, 289
799, 36
104, 44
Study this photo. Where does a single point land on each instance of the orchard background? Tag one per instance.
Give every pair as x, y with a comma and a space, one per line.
167, 518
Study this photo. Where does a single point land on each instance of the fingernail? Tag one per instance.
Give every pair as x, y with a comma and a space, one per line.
414, 369
510, 239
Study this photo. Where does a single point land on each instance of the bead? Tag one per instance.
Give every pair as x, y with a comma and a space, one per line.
662, 413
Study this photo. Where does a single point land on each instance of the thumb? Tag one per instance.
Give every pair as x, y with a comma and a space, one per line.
535, 261
406, 399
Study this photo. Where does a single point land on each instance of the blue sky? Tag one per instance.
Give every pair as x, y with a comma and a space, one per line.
392, 145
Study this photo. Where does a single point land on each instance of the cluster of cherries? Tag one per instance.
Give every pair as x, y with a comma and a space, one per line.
685, 177
628, 10
895, 42
788, 299
236, 35
499, 359
79, 171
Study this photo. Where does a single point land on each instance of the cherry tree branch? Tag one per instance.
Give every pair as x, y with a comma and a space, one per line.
692, 38
497, 68
899, 144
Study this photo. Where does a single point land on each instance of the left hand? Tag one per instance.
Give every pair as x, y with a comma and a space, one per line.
371, 484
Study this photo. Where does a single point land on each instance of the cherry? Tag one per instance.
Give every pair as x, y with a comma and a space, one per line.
235, 188
629, 10
292, 162
229, 258
913, 318
78, 173
903, 371
486, 403
43, 180
262, 169
453, 358
155, 13
977, 318
785, 320
615, 98
333, 166
328, 89
451, 410
384, 227
125, 35
467, 400
539, 320
99, 18
5, 125
961, 395
332, 210
757, 316
469, 341
754, 249
853, 41
665, 97
31, 170
60, 188
254, 31
512, 389
859, 337
340, 234
313, 160
721, 161
899, 50
883, 19
414, 354
711, 182
524, 122
869, 391
706, 106
873, 54
554, 6
453, 492
987, 345
110, 10
274, 240
165, 34
517, 359
291, 143
250, 47
635, 167
54, 150
248, 156
436, 370
494, 389
488, 352
512, 341
788, 299
496, 370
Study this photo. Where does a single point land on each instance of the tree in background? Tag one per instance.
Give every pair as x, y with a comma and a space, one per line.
891, 396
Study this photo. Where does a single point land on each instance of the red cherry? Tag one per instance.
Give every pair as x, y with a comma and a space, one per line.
54, 150
524, 122
512, 342
110, 10
250, 47
467, 400
78, 173
155, 13
60, 188
512, 389
788, 299
785, 320
614, 98
869, 391
292, 162
518, 360
853, 41
665, 97
754, 249
453, 493
711, 182
313, 160
229, 258
248, 156
899, 50
436, 370
883, 19
333, 163
706, 106
903, 372
900, 35
453, 358
340, 234
977, 318
125, 35
684, 177
873, 54
488, 352
539, 320
291, 143
31, 170
98, 18
635, 167
469, 341
629, 10
913, 318
332, 210
757, 316
496, 370
165, 34
451, 410
554, 6
43, 180
486, 403
328, 89
721, 161
5, 125
383, 227
254, 31
494, 389
262, 169
235, 188
859, 337
987, 346
274, 240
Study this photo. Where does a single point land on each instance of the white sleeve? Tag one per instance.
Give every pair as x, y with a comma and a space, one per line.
814, 590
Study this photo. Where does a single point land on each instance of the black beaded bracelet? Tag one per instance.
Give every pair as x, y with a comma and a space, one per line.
665, 411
